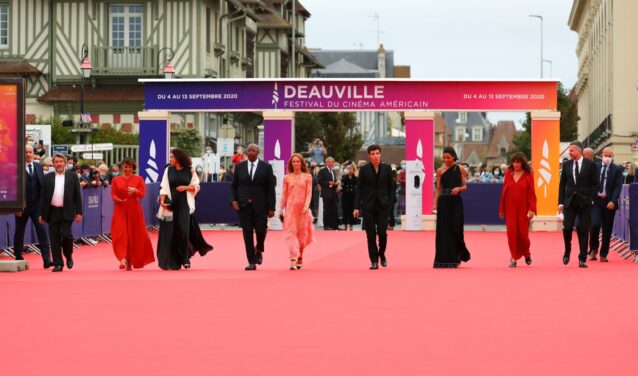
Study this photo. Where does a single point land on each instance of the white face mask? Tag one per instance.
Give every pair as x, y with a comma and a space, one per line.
607, 160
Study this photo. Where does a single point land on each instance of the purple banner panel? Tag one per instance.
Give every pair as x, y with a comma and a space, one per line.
213, 204
92, 208
480, 204
348, 95
147, 203
278, 139
154, 141
107, 210
632, 213
4, 238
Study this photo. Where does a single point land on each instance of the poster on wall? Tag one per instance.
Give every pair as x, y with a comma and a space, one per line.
11, 144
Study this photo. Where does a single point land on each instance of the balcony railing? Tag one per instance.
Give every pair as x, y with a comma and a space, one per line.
124, 61
600, 134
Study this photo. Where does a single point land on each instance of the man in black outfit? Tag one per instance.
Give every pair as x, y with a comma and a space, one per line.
253, 196
33, 187
605, 204
374, 196
329, 183
578, 187
61, 203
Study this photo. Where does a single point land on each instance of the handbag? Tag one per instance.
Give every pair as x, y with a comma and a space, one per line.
169, 203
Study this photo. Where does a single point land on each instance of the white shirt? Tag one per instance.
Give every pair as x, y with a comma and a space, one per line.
32, 168
604, 181
58, 192
211, 163
580, 167
255, 163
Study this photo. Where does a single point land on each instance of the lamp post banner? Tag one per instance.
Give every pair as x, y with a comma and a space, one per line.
344, 95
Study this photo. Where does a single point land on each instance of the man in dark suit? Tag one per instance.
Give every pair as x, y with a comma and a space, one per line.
253, 196
61, 203
375, 189
578, 187
33, 187
328, 182
605, 204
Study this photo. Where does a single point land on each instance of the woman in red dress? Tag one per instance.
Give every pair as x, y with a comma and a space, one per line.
518, 207
131, 244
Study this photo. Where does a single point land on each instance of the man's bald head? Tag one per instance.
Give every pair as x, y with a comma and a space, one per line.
588, 153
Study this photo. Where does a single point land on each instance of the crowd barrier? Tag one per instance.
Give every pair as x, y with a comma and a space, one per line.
480, 203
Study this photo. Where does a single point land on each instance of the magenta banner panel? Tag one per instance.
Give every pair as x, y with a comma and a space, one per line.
419, 146
278, 139
348, 95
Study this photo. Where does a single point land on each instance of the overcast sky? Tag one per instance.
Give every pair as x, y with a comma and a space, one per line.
454, 38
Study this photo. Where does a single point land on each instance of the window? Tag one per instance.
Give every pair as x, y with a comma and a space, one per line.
126, 35
4, 25
208, 26
459, 134
503, 153
462, 119
477, 134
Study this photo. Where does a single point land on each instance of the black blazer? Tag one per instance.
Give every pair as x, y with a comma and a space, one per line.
72, 196
260, 190
614, 182
39, 176
586, 186
372, 187
324, 177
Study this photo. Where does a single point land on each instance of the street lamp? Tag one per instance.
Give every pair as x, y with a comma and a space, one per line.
541, 19
85, 74
169, 70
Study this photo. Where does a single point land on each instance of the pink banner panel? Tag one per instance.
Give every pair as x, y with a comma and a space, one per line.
419, 146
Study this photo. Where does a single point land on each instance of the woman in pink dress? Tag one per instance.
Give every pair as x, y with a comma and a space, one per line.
294, 209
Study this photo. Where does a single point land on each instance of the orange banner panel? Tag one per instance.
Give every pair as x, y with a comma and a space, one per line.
546, 164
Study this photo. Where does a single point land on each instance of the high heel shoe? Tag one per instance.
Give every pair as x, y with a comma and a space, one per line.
293, 263
123, 264
528, 260
187, 266
512, 263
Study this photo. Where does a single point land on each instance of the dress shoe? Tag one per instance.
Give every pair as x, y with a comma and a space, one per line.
384, 262
19, 258
374, 266
251, 267
582, 264
57, 268
592, 256
528, 260
603, 259
48, 264
69, 262
565, 260
260, 257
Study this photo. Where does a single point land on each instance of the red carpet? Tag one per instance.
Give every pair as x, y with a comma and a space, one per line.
335, 317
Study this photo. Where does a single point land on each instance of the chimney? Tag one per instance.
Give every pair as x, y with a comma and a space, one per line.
381, 61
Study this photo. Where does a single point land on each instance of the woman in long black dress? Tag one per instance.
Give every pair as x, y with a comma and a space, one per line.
450, 242
179, 234
348, 190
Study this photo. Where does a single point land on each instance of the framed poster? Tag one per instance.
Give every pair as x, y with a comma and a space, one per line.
12, 135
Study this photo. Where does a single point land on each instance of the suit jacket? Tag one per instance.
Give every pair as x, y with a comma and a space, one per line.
323, 179
372, 187
38, 175
614, 182
585, 187
72, 196
260, 191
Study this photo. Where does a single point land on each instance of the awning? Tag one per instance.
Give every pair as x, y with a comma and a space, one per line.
18, 68
102, 93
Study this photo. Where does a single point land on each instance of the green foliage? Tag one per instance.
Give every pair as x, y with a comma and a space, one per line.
107, 134
188, 140
523, 141
337, 130
59, 135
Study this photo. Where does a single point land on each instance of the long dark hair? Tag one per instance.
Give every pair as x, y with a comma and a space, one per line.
519, 157
182, 158
450, 150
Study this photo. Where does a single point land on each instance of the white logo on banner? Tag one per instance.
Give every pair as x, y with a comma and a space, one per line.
275, 96
545, 173
277, 150
152, 171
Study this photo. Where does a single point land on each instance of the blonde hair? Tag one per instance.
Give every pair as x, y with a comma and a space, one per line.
304, 165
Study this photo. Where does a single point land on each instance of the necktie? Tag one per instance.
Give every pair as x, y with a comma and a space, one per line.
30, 169
603, 177
576, 176
251, 170
332, 174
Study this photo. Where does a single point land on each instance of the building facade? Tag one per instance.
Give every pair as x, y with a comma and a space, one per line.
470, 133
607, 87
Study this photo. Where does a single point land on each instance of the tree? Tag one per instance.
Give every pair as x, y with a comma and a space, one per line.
337, 130
188, 140
59, 135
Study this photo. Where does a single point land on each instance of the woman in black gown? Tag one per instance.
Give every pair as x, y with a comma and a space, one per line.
450, 242
348, 189
179, 234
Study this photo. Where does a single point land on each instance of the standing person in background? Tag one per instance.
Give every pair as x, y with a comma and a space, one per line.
577, 189
61, 203
131, 244
450, 239
34, 181
211, 164
374, 197
115, 171
348, 192
588, 153
317, 151
391, 218
229, 174
239, 155
295, 209
401, 181
329, 183
253, 196
605, 205
518, 207
179, 234
47, 165
40, 151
